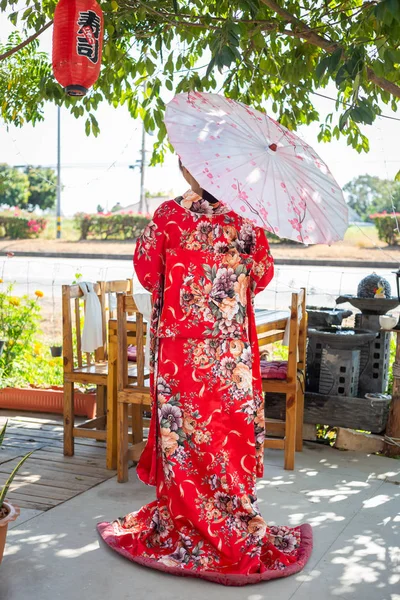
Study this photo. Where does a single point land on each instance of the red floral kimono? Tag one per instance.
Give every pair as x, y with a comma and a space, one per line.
203, 264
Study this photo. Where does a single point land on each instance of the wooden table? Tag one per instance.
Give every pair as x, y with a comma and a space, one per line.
266, 322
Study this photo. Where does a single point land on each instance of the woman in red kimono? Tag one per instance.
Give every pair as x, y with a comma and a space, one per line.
203, 265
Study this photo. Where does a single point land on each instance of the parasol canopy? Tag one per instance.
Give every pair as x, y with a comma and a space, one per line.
258, 167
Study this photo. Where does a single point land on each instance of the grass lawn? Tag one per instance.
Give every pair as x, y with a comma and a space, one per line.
68, 230
362, 236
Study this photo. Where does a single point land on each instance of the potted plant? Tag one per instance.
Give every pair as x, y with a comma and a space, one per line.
8, 512
56, 350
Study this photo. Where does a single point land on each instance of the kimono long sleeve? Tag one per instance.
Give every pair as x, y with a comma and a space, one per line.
149, 254
263, 266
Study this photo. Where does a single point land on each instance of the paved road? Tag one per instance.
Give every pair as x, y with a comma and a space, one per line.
47, 274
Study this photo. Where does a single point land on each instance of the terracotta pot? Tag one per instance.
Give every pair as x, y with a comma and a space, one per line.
49, 400
13, 513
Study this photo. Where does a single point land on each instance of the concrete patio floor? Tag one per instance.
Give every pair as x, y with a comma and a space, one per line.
351, 500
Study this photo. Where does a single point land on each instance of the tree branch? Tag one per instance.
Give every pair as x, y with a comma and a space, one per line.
383, 83
303, 31
25, 42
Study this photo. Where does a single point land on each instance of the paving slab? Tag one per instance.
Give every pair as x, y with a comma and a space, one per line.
58, 555
26, 514
364, 561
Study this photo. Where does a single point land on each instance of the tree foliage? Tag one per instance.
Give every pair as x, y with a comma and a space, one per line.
367, 194
14, 187
31, 189
254, 50
42, 188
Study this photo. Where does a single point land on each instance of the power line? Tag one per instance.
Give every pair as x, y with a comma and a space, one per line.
349, 104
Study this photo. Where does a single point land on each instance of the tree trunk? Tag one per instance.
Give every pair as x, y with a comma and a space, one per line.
393, 425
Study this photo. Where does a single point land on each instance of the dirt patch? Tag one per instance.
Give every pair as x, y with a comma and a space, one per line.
3, 512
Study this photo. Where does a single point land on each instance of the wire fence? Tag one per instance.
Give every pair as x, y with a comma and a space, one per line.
323, 284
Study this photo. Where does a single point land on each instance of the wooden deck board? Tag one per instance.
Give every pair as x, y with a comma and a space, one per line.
48, 478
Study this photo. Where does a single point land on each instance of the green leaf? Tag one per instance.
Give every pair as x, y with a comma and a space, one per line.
87, 127
334, 60
394, 8
341, 75
394, 55
9, 481
322, 67
380, 10
3, 433
210, 67
344, 118
366, 113
13, 18
397, 176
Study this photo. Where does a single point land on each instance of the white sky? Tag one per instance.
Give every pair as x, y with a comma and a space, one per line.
95, 170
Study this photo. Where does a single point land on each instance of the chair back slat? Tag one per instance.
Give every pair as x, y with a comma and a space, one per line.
78, 332
268, 333
68, 351
293, 338
303, 330
140, 349
135, 336
122, 345
72, 313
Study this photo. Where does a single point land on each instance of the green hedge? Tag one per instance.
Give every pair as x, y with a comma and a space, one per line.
122, 226
386, 226
17, 226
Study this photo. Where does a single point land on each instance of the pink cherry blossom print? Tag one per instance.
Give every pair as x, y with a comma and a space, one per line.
295, 223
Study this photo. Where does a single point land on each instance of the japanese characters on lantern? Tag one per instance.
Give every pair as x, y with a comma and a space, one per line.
77, 44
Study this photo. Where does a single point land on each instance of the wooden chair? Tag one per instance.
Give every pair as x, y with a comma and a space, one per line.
86, 368
293, 385
132, 391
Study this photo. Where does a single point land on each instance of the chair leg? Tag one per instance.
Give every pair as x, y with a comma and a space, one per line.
101, 406
137, 423
101, 397
69, 419
122, 462
290, 430
111, 424
299, 418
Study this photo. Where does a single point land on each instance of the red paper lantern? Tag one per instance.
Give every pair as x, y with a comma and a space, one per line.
77, 44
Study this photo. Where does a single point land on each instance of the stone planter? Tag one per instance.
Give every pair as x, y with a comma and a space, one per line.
13, 513
49, 400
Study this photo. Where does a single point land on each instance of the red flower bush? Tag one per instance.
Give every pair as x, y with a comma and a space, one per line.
16, 225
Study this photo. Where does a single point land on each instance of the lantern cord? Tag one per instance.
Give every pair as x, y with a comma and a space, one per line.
392, 441
396, 370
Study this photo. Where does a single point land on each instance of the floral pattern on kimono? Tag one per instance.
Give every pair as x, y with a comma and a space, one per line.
203, 265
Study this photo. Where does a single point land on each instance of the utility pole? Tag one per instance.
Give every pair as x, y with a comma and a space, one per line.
58, 221
143, 202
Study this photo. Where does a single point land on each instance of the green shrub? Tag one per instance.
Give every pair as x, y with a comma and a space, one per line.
19, 328
21, 226
122, 226
387, 228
